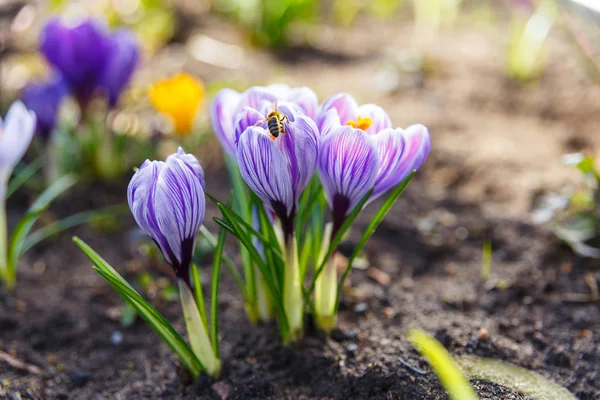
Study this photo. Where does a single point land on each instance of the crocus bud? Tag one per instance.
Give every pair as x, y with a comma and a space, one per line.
15, 136
167, 201
44, 98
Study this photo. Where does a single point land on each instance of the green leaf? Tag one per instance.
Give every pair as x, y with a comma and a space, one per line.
214, 291
385, 208
529, 383
156, 321
128, 315
17, 240
198, 295
456, 385
23, 175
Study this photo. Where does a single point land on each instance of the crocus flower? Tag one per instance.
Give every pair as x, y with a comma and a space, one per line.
228, 103
277, 170
179, 98
400, 151
91, 59
44, 98
167, 201
15, 136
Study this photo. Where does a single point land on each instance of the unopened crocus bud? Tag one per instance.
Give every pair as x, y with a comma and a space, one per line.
167, 201
44, 98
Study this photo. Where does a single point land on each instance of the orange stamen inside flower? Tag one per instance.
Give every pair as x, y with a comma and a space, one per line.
362, 123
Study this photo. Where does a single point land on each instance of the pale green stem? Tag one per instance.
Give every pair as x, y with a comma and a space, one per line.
326, 287
3, 231
51, 170
293, 301
198, 332
263, 300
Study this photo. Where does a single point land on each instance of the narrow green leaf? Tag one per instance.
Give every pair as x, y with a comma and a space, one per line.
237, 277
156, 321
456, 385
52, 192
198, 295
385, 208
214, 292
23, 175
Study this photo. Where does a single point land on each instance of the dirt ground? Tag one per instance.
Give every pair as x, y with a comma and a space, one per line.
496, 146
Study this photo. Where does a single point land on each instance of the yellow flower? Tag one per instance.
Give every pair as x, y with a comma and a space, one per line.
179, 98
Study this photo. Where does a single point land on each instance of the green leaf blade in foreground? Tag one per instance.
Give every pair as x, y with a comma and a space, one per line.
156, 321
519, 379
450, 376
23, 175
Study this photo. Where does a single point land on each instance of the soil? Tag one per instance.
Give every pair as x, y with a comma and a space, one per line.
496, 146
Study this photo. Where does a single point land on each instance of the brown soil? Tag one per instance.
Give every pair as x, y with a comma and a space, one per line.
495, 147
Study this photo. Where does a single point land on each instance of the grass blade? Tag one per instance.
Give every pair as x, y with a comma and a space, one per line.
237, 277
156, 321
456, 385
198, 295
214, 291
23, 175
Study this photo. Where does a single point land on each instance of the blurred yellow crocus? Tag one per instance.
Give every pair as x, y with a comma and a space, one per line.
178, 97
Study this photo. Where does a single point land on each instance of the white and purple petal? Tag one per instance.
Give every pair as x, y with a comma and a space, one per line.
16, 133
345, 105
222, 113
379, 118
348, 166
247, 118
192, 163
265, 170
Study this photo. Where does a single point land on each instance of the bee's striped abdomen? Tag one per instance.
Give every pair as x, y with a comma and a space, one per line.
275, 126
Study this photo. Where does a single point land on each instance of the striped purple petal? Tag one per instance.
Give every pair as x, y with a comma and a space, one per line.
247, 118
191, 162
348, 165
380, 119
167, 201
343, 103
222, 114
265, 170
401, 151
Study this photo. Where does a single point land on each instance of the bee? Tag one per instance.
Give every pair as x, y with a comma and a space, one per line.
275, 122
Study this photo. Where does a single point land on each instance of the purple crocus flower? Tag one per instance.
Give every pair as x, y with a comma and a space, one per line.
90, 58
167, 201
228, 103
44, 98
277, 170
400, 151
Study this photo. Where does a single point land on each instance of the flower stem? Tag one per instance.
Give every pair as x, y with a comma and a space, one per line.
293, 301
326, 287
263, 300
3, 234
198, 332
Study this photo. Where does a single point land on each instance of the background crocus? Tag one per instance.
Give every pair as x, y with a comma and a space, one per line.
15, 136
167, 201
44, 98
179, 98
91, 59
228, 103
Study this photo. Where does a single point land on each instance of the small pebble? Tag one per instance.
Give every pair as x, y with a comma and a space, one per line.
379, 276
360, 308
351, 348
116, 338
222, 389
340, 335
79, 379
389, 312
483, 334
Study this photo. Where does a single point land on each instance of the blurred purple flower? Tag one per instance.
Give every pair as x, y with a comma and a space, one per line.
44, 98
90, 58
277, 170
167, 201
228, 103
16, 132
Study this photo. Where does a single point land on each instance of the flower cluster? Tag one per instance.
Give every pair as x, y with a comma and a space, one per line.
280, 140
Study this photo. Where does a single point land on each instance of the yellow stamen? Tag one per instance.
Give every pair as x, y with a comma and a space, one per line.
179, 98
363, 123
